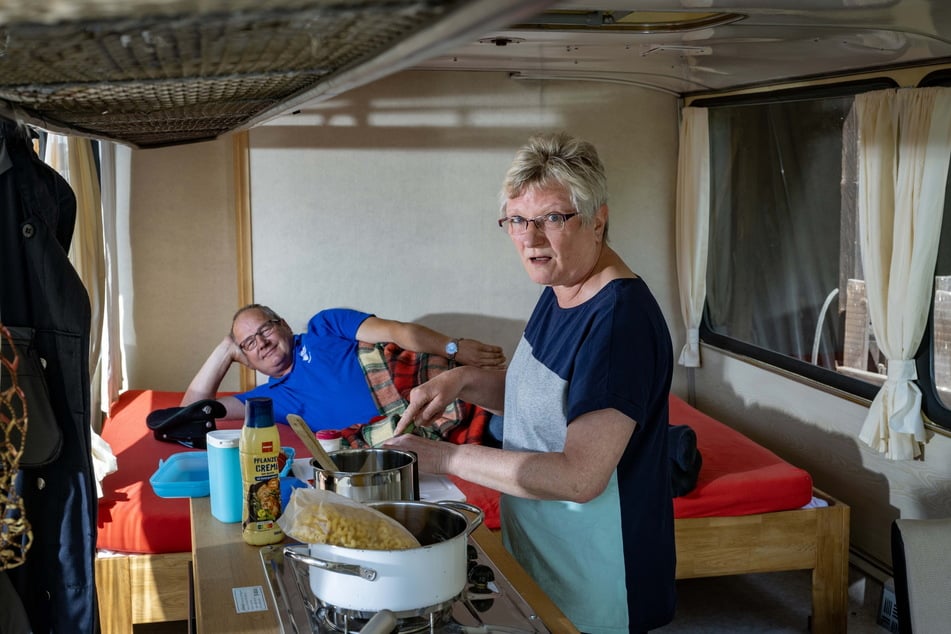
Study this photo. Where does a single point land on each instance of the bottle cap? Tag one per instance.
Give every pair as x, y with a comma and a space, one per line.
328, 434
258, 412
223, 438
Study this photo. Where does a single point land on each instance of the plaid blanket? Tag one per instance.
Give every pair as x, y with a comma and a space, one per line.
391, 373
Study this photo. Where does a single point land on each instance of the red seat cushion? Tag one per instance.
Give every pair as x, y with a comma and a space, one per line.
739, 477
132, 518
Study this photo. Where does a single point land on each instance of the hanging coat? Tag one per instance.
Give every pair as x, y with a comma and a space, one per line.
40, 289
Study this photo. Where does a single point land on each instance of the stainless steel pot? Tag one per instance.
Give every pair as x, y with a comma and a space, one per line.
403, 581
371, 475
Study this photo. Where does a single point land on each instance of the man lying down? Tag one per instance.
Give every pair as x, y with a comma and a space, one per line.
325, 374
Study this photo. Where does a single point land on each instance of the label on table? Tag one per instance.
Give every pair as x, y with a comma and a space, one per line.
249, 599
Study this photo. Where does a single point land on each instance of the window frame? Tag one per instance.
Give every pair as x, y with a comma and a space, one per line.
934, 410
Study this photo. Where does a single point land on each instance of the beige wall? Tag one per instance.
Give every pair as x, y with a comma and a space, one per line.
386, 198
407, 169
179, 281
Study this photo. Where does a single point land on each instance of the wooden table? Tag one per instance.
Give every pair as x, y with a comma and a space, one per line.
222, 562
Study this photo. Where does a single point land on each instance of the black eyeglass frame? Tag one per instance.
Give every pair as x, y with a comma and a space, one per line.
541, 222
251, 342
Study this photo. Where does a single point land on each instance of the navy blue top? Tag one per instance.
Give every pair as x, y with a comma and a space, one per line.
612, 352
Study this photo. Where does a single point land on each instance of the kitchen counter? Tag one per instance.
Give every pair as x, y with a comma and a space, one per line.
232, 595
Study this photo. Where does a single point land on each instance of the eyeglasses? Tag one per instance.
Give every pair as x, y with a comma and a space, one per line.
554, 221
251, 343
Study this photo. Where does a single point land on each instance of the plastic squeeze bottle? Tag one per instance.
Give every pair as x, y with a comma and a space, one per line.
261, 482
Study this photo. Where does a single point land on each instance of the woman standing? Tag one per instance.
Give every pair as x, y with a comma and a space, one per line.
586, 505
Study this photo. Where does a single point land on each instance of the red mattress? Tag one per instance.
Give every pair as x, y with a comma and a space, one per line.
739, 477
132, 518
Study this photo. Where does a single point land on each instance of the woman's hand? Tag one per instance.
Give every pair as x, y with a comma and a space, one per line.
432, 456
428, 400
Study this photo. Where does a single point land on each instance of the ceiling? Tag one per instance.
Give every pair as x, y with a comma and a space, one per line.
757, 42
159, 72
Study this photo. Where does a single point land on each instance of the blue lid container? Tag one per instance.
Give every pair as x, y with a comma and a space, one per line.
182, 475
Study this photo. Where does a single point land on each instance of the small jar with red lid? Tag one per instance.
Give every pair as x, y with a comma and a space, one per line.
329, 439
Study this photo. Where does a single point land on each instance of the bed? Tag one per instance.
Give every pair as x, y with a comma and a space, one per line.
750, 512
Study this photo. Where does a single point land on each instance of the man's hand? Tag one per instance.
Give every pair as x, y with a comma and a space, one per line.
235, 352
473, 352
205, 384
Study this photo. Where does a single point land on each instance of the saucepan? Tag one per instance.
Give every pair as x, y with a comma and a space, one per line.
368, 475
403, 581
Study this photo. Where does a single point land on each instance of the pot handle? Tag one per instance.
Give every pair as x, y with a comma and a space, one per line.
383, 622
333, 566
475, 522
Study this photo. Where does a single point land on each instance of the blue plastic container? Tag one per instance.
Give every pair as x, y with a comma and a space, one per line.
182, 475
224, 474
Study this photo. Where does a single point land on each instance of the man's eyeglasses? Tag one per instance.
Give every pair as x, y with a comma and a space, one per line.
250, 343
546, 222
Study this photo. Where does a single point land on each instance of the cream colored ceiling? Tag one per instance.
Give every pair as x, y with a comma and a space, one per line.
160, 72
766, 41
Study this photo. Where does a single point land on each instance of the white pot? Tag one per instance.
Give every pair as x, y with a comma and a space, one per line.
397, 580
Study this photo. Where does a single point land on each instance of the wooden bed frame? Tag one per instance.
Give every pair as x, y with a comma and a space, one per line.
815, 539
154, 588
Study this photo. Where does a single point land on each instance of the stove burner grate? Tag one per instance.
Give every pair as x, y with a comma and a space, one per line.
345, 621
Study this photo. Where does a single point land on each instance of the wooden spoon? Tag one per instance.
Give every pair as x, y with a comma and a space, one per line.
305, 434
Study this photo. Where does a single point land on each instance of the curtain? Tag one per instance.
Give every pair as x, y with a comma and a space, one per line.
904, 145
115, 161
693, 220
73, 158
86, 254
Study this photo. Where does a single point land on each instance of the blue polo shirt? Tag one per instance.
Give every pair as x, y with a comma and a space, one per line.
326, 385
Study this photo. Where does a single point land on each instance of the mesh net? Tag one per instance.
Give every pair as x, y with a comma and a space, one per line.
15, 534
192, 70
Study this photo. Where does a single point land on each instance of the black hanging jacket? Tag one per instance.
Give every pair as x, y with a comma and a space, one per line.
40, 289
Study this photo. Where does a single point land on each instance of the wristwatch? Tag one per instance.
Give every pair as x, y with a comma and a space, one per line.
451, 349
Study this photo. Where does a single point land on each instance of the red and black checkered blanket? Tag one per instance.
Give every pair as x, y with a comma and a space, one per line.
391, 373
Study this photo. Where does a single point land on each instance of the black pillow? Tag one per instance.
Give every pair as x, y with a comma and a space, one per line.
685, 459
186, 425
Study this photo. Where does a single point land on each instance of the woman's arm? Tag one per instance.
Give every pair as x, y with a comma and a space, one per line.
579, 473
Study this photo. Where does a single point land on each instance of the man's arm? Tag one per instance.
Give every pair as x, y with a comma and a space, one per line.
206, 383
418, 338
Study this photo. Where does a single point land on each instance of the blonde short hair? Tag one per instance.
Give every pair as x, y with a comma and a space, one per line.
559, 159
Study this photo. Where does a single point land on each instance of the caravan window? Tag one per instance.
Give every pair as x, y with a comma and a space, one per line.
784, 274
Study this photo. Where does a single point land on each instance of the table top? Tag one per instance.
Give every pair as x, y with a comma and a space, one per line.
232, 595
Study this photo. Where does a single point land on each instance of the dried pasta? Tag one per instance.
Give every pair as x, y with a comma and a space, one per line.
315, 516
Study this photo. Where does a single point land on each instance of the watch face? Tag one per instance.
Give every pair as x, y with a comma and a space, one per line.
452, 347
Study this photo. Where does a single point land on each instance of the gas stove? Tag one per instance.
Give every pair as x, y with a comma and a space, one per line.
488, 604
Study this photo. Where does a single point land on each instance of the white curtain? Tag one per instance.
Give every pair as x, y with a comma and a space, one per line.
904, 146
101, 198
115, 161
693, 221
73, 158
